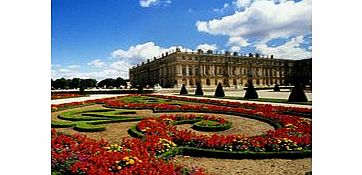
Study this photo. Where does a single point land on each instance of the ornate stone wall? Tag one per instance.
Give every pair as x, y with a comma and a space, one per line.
177, 68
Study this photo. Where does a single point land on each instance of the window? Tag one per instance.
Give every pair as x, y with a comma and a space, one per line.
208, 82
197, 71
190, 70
184, 70
191, 82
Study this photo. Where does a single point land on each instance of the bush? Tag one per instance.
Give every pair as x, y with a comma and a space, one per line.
183, 90
140, 89
85, 127
276, 88
61, 124
199, 90
219, 92
251, 92
297, 94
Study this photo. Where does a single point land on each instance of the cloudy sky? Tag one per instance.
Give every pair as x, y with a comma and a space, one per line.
103, 38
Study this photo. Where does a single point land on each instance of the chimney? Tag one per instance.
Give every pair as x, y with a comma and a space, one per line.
235, 54
251, 55
166, 53
199, 51
257, 55
209, 52
227, 53
271, 56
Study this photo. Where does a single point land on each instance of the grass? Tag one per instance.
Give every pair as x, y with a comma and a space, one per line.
273, 100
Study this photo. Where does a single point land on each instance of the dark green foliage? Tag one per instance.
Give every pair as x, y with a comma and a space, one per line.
219, 91
199, 90
85, 127
110, 82
74, 83
200, 126
251, 92
140, 89
297, 94
183, 90
276, 88
82, 87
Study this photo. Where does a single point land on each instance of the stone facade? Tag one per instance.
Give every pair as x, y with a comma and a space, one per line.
178, 68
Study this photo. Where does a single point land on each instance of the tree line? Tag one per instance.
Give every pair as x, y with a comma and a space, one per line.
76, 83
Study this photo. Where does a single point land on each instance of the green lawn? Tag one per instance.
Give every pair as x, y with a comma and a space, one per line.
273, 100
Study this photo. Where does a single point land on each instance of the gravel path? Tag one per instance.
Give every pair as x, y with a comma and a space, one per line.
240, 125
215, 166
90, 97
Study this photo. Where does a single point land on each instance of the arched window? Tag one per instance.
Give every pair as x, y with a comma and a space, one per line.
208, 82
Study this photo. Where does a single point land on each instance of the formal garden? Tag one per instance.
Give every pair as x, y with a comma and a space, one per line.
167, 134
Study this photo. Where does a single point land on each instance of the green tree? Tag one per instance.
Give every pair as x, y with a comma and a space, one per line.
183, 90
276, 88
250, 91
297, 94
199, 90
219, 92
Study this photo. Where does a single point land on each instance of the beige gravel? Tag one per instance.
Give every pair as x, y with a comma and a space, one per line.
247, 166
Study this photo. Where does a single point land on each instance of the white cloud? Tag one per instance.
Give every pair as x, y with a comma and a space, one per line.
73, 66
289, 50
235, 49
205, 47
150, 3
96, 63
262, 20
141, 52
238, 41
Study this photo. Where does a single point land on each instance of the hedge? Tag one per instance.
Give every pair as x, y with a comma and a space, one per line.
221, 127
85, 127
61, 124
223, 154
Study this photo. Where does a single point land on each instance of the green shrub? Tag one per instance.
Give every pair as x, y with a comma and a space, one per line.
85, 127
199, 90
183, 90
211, 126
276, 88
219, 92
297, 94
61, 124
251, 92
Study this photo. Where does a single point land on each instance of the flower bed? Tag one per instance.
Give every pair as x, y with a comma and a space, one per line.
284, 142
76, 155
55, 96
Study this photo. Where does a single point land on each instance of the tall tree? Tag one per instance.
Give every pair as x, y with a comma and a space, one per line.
199, 90
183, 90
219, 92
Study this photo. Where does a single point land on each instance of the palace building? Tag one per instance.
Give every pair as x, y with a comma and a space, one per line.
230, 69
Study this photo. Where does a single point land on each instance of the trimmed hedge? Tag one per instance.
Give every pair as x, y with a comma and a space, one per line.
61, 124
222, 127
133, 131
85, 127
223, 154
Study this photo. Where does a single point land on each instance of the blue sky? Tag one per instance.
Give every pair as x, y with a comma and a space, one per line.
103, 38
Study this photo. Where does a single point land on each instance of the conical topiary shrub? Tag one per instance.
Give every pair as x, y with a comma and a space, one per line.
199, 89
276, 88
250, 92
219, 91
297, 94
183, 90
140, 89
